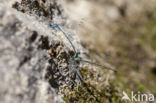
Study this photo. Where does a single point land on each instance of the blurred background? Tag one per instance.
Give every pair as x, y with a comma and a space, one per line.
122, 33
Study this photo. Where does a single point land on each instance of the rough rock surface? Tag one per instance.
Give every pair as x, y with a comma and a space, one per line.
34, 59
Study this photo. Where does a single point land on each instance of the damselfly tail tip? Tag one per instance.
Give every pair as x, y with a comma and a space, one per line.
113, 69
53, 25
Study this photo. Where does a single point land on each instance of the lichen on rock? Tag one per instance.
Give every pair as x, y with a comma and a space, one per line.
34, 62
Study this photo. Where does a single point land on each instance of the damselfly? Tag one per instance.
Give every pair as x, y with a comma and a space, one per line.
76, 58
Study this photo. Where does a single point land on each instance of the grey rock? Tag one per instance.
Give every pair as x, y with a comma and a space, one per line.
34, 61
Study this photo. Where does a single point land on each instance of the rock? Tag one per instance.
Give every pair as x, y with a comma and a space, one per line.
34, 60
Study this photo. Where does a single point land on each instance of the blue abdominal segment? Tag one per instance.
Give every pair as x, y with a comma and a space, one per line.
56, 26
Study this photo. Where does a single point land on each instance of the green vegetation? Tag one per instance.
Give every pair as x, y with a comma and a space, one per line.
88, 93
